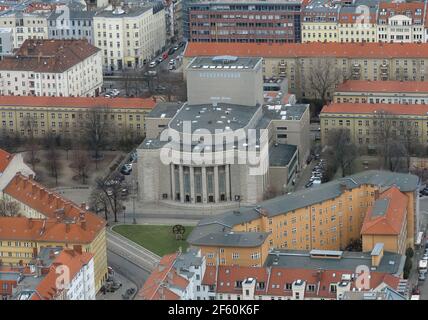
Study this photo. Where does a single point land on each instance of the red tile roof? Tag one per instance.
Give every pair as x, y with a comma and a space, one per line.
77, 102
155, 287
43, 55
66, 222
370, 108
5, 159
391, 222
47, 288
228, 275
310, 49
383, 86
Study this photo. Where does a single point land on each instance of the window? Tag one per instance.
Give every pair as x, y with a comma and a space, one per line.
333, 287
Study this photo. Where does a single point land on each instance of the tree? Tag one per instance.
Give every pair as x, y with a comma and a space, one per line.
80, 163
385, 135
30, 125
323, 78
67, 144
409, 252
341, 150
173, 87
9, 208
53, 157
111, 191
99, 202
97, 126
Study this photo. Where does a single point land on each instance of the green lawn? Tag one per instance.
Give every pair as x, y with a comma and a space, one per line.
158, 239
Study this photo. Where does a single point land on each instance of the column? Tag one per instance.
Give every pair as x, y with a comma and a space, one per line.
173, 181
204, 185
216, 187
192, 185
181, 175
227, 178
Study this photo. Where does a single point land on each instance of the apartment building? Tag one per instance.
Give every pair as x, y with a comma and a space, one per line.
363, 120
178, 276
395, 92
69, 116
38, 280
336, 61
357, 22
325, 218
47, 219
401, 22
25, 25
66, 22
6, 41
60, 68
287, 275
319, 22
129, 37
243, 21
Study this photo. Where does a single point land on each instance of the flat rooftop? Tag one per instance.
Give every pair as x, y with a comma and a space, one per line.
224, 63
165, 110
391, 263
211, 117
280, 155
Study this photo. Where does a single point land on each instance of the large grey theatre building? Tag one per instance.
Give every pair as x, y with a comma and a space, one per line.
224, 144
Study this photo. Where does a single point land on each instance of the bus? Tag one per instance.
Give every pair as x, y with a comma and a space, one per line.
419, 239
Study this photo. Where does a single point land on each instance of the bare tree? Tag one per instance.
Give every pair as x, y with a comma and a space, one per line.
97, 126
172, 86
323, 78
80, 163
342, 151
100, 202
385, 134
53, 157
111, 191
30, 125
9, 208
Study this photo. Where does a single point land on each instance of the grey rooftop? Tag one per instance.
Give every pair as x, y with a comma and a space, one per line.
165, 110
391, 263
280, 155
224, 63
232, 239
380, 207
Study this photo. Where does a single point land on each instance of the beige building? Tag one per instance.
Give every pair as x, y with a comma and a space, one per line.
68, 117
341, 61
129, 38
396, 92
25, 26
363, 120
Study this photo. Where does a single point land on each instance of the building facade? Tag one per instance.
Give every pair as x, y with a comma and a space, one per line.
337, 62
47, 219
129, 38
59, 68
395, 92
69, 117
327, 217
243, 21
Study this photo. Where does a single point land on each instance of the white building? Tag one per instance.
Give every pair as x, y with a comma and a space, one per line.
10, 164
6, 41
129, 38
52, 68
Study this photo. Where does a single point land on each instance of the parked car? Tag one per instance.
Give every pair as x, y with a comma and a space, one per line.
171, 67
182, 43
309, 184
153, 64
126, 170
317, 180
422, 276
159, 60
172, 62
424, 191
171, 51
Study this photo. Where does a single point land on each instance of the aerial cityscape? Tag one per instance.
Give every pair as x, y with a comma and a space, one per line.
213, 150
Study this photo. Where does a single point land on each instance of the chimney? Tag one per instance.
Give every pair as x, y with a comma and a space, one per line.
376, 195
50, 197
67, 227
82, 217
30, 223
83, 205
31, 177
34, 189
78, 249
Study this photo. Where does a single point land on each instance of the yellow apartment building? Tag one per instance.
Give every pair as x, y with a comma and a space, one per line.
363, 120
327, 218
48, 220
24, 116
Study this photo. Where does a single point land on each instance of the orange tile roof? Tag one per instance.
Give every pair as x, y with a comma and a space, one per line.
370, 108
66, 222
154, 289
5, 159
47, 288
77, 102
391, 222
383, 86
310, 49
